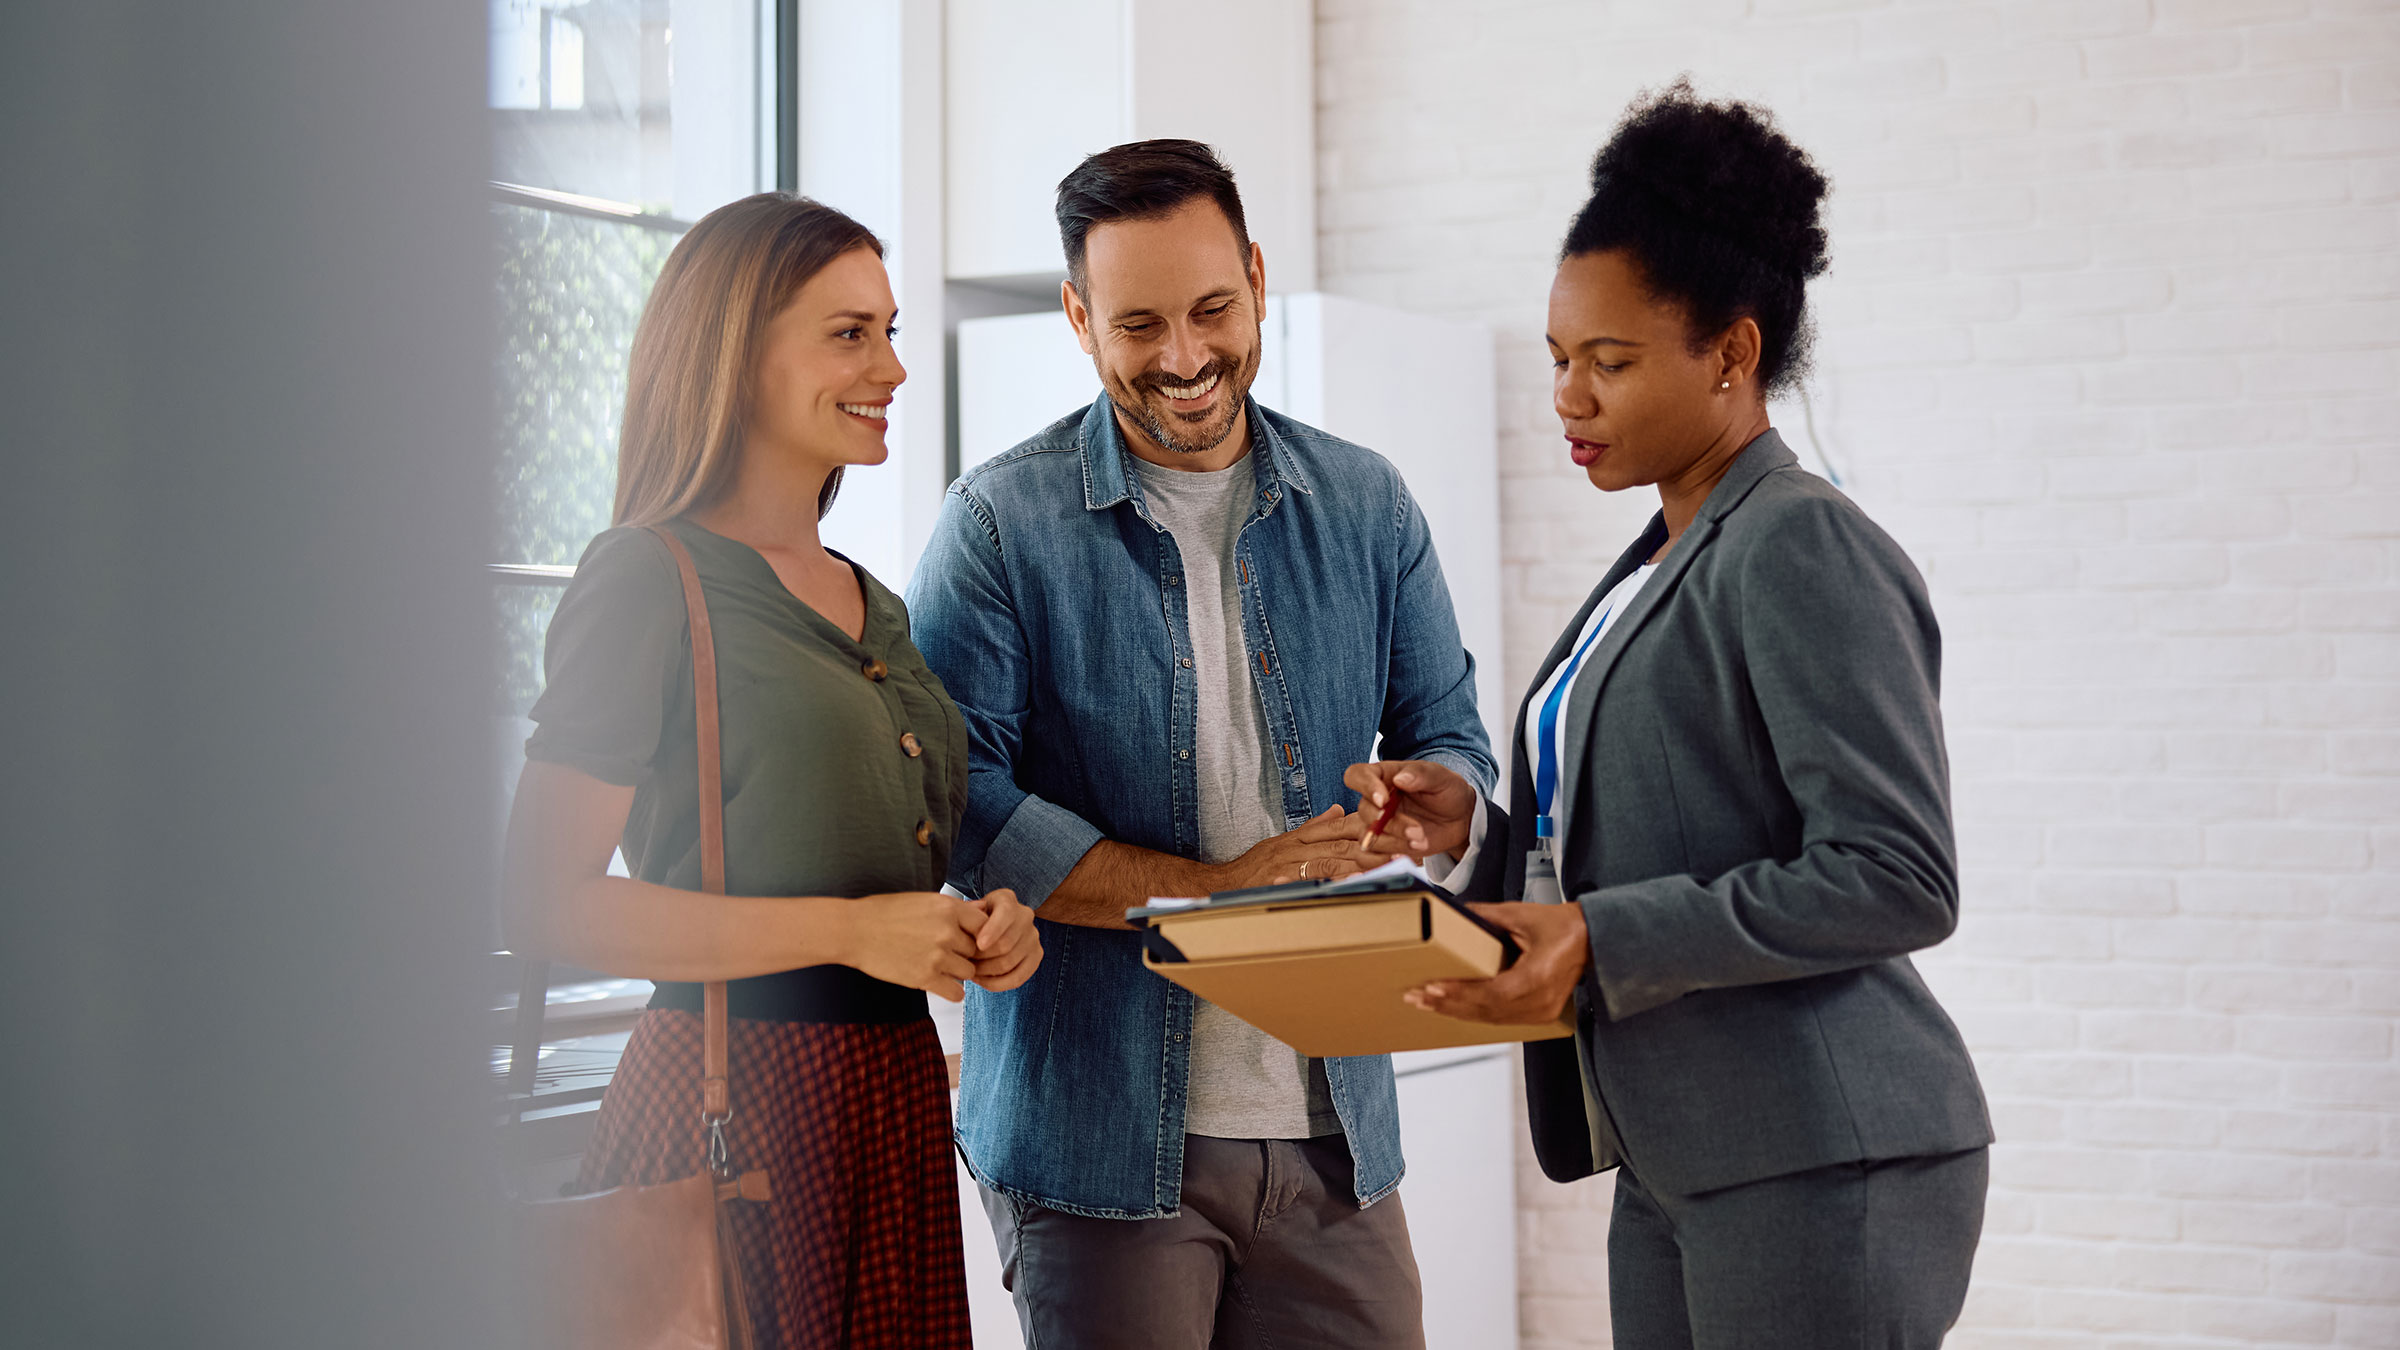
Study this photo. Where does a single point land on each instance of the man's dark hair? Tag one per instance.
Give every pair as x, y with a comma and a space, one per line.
1142, 180
1720, 212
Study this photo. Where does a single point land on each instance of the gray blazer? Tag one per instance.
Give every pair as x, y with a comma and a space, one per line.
1757, 825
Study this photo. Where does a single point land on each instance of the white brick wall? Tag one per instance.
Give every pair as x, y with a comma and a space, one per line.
2109, 346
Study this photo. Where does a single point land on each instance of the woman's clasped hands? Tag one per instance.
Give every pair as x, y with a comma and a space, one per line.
1009, 945
1432, 810
939, 943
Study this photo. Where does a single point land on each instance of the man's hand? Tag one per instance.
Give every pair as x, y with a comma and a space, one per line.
1324, 848
1008, 948
1437, 807
1556, 950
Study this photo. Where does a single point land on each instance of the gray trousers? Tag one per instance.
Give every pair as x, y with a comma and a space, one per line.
1271, 1250
1864, 1256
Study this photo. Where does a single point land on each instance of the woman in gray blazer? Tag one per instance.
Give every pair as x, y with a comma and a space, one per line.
1731, 768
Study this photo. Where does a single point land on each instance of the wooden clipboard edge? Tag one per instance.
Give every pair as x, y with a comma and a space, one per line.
1155, 942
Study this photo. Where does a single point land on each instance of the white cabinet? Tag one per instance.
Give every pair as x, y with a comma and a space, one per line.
991, 1313
1418, 391
1033, 87
1456, 1129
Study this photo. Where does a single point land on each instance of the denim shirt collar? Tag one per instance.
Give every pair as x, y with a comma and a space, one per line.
1108, 481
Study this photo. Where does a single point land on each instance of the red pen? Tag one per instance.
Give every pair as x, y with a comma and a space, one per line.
1391, 806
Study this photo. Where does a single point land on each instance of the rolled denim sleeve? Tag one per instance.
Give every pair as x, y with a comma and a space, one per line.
964, 621
1429, 700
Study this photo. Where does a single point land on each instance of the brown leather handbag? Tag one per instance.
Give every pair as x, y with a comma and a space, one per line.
648, 1267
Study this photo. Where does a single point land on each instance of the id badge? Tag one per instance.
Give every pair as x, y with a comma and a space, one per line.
1541, 877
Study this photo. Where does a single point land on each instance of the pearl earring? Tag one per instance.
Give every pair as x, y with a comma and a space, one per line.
1725, 384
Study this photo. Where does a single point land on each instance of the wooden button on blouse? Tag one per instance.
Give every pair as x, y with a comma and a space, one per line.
875, 670
909, 745
925, 833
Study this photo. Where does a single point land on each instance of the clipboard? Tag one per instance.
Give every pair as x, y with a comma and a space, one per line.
1321, 966
1383, 881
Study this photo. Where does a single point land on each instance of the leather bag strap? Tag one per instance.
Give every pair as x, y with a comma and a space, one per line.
716, 1097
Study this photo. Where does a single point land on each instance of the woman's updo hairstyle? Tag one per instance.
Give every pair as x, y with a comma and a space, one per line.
1719, 212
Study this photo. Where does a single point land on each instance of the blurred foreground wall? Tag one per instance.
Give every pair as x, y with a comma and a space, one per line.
243, 683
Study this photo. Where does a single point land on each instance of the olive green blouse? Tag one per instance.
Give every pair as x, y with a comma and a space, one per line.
845, 763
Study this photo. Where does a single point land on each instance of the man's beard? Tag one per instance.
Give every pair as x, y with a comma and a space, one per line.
1144, 402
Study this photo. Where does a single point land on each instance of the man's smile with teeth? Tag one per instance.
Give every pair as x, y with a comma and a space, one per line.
1190, 391
873, 410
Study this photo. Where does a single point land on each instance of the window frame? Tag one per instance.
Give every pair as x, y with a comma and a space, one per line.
580, 1003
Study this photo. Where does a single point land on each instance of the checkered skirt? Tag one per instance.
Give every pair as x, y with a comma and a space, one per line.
860, 1247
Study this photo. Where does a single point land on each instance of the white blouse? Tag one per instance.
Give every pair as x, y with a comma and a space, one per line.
1603, 616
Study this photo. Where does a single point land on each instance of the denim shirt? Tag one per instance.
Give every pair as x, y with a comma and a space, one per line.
1051, 605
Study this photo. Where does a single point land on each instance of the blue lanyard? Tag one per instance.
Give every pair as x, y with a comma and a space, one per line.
1545, 762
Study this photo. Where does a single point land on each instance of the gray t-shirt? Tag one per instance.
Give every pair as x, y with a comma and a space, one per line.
1245, 1084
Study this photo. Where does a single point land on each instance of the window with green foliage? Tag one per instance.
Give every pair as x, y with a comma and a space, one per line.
571, 290
613, 123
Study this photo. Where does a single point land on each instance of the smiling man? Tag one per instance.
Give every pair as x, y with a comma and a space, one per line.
1171, 620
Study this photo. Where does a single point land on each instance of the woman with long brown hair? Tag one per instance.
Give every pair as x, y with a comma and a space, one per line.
762, 369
